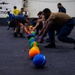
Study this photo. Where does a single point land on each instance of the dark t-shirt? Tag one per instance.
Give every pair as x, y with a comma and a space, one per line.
20, 19
17, 19
62, 9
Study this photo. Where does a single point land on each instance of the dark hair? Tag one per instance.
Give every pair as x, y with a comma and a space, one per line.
8, 12
22, 8
39, 13
15, 7
59, 4
26, 16
46, 13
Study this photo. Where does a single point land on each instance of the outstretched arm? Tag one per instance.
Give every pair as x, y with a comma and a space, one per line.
37, 24
42, 29
48, 25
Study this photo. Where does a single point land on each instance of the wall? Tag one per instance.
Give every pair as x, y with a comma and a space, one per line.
34, 6
9, 5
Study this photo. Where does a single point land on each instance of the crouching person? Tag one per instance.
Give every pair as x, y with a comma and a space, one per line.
20, 22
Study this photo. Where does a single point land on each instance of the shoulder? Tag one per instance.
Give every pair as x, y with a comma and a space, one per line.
52, 16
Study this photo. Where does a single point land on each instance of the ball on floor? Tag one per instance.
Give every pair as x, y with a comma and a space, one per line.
34, 43
30, 35
39, 60
33, 51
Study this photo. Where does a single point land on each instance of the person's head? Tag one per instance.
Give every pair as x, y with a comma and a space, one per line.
46, 13
59, 5
8, 12
22, 9
26, 18
15, 7
39, 14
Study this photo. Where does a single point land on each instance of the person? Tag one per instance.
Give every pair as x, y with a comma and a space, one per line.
21, 12
15, 11
38, 23
60, 22
39, 14
10, 17
19, 22
61, 8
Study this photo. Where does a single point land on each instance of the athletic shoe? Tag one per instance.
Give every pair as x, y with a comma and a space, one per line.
15, 35
22, 36
50, 45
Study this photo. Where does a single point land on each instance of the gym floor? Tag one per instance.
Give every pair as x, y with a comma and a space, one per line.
14, 58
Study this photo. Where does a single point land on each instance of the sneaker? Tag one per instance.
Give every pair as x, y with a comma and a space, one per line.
47, 40
22, 36
15, 35
51, 45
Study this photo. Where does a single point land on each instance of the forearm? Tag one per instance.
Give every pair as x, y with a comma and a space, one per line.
42, 30
35, 26
46, 28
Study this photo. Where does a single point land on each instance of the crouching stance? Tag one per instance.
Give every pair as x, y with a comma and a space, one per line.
60, 22
20, 23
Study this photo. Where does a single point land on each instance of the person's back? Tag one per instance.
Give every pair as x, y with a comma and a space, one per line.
60, 18
20, 18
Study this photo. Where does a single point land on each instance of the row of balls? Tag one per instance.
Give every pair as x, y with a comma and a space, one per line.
38, 59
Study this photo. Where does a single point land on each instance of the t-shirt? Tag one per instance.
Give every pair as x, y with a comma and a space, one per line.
16, 12
62, 9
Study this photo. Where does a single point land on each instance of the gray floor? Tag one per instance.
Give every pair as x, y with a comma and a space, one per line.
14, 58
